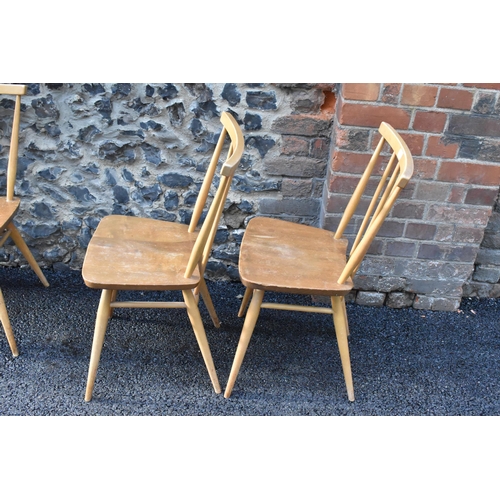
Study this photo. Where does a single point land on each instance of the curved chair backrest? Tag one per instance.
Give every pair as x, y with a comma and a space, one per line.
394, 178
17, 91
201, 250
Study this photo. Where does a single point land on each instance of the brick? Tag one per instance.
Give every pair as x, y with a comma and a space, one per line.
399, 300
457, 194
354, 163
408, 210
488, 256
471, 235
429, 121
431, 252
470, 125
300, 207
297, 188
441, 147
352, 139
419, 95
455, 99
487, 274
319, 148
481, 196
444, 232
303, 125
424, 168
361, 91
372, 299
400, 249
482, 290
420, 231
490, 86
432, 191
391, 229
295, 167
367, 115
343, 184
458, 215
436, 303
434, 287
415, 142
469, 173
390, 93
485, 103
293, 145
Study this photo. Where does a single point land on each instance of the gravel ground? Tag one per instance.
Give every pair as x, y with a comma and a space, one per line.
404, 361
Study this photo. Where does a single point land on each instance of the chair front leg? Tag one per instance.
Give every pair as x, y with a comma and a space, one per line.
201, 336
342, 331
246, 335
4, 318
100, 330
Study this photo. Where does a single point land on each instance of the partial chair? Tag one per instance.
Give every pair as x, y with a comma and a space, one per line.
292, 258
134, 253
9, 204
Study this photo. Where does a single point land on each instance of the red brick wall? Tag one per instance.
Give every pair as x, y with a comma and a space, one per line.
428, 247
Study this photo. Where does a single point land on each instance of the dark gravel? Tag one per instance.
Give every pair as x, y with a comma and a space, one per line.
405, 362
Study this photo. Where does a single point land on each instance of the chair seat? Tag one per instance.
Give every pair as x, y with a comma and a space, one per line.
7, 210
287, 257
134, 253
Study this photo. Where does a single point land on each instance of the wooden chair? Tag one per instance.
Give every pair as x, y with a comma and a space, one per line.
9, 204
287, 257
133, 253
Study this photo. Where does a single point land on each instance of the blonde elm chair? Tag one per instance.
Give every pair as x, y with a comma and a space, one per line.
134, 253
292, 258
9, 204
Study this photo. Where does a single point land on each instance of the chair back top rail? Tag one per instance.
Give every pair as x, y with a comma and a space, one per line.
394, 178
17, 91
204, 241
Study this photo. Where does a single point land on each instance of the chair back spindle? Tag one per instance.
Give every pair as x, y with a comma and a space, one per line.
394, 178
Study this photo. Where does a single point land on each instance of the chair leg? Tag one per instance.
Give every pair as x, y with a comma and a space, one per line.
207, 300
201, 337
246, 335
341, 331
100, 330
114, 293
4, 318
21, 244
244, 302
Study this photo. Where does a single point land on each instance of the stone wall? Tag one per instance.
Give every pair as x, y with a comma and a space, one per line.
88, 150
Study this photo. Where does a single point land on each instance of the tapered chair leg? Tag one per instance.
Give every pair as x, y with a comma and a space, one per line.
4, 318
201, 337
21, 244
341, 331
207, 299
246, 335
99, 332
244, 302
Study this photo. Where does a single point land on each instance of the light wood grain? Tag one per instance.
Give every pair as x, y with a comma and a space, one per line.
9, 204
288, 257
137, 253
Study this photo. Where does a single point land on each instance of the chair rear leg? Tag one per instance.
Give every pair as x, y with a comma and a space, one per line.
100, 330
114, 293
246, 335
201, 337
207, 299
21, 244
244, 302
342, 331
4, 318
